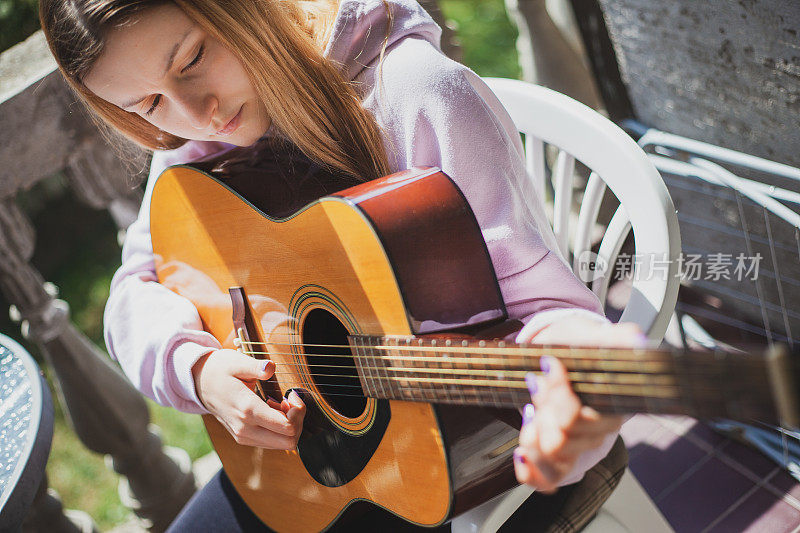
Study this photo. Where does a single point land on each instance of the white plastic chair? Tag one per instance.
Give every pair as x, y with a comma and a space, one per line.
616, 161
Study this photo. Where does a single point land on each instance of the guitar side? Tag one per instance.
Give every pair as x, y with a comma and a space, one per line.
324, 261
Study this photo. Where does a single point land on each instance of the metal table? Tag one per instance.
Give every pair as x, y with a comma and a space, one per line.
26, 431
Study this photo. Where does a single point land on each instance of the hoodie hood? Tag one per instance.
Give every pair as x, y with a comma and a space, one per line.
360, 28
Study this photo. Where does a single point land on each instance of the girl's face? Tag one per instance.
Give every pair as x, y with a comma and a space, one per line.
165, 68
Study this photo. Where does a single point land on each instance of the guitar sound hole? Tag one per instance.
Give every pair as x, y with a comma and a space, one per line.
331, 365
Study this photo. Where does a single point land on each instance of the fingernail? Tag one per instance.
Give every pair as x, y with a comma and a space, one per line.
519, 457
527, 413
545, 363
530, 381
265, 364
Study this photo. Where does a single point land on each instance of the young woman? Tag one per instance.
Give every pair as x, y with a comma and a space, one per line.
362, 88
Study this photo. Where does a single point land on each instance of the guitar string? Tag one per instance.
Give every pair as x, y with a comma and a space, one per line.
607, 366
518, 386
574, 374
576, 364
603, 398
509, 355
613, 393
568, 353
521, 350
476, 399
623, 365
575, 377
610, 378
462, 370
610, 388
706, 357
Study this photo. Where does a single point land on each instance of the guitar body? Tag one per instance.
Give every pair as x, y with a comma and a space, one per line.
400, 255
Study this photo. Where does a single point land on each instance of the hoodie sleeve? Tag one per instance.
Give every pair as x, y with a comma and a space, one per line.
155, 334
444, 115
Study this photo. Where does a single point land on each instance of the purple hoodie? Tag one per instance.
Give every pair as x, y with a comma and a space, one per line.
433, 111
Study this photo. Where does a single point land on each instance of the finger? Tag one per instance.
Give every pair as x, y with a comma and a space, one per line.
297, 410
527, 332
291, 400
295, 400
245, 367
257, 436
529, 436
285, 406
531, 470
522, 469
619, 335
255, 412
590, 422
558, 401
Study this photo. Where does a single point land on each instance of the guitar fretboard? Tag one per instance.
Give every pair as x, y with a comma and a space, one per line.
613, 380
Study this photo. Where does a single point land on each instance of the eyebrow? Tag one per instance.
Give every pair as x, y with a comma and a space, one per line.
170, 60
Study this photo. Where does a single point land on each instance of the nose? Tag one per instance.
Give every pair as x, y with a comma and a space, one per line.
197, 109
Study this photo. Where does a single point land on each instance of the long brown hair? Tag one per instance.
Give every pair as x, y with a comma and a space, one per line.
279, 43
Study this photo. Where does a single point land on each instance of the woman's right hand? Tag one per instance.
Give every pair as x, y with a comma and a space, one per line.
221, 379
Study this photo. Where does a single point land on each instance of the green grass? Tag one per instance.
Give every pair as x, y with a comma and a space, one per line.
84, 482
486, 35
76, 249
18, 20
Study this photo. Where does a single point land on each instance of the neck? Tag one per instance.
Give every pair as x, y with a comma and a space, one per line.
612, 380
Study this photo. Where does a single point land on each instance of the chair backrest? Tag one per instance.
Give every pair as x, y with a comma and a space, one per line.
579, 133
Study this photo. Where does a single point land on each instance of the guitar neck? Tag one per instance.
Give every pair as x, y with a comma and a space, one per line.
741, 386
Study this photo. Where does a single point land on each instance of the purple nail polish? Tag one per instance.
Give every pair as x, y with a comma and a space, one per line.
530, 381
545, 363
519, 457
527, 413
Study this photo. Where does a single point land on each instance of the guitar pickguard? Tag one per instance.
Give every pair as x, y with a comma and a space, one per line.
331, 456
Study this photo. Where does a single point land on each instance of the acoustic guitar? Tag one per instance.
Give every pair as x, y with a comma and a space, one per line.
380, 307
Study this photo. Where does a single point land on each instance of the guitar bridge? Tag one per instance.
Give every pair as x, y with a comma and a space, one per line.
247, 339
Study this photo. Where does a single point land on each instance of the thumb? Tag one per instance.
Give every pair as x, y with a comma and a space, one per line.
245, 367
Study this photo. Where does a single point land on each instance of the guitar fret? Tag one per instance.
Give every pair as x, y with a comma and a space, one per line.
452, 366
431, 395
645, 399
366, 372
500, 376
375, 367
410, 392
392, 384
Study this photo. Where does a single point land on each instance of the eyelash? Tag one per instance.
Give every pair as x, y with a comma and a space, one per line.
194, 63
196, 60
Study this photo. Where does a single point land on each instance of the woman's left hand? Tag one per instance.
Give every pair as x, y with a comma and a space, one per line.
557, 427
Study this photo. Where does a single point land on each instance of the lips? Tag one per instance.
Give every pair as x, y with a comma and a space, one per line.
232, 124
